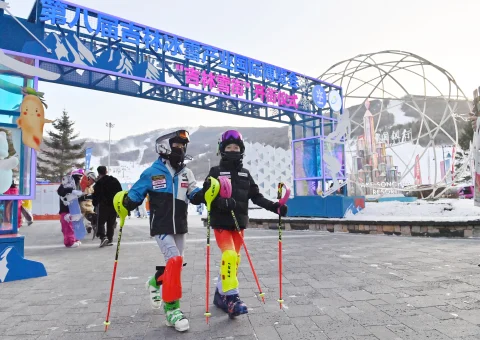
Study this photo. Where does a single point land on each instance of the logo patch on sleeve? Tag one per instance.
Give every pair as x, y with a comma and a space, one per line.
184, 185
159, 182
243, 174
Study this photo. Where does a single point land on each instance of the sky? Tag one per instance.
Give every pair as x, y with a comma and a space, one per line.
306, 36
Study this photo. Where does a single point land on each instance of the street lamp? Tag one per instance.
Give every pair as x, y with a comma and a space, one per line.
110, 127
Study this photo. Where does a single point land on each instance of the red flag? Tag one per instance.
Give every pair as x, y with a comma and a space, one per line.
418, 174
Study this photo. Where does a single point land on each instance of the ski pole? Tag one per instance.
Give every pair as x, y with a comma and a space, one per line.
207, 280
122, 212
210, 195
282, 201
226, 192
237, 227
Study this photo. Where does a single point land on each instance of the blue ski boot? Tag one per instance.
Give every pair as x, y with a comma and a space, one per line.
230, 304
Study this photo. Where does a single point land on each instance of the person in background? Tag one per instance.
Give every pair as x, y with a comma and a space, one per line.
142, 212
14, 191
27, 211
147, 206
200, 208
65, 191
104, 191
86, 185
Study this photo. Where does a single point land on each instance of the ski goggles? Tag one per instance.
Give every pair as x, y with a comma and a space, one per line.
181, 134
231, 134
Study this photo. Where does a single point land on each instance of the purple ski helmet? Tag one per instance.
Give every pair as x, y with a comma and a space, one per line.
78, 172
231, 137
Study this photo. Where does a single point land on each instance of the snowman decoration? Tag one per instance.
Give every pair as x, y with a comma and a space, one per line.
6, 164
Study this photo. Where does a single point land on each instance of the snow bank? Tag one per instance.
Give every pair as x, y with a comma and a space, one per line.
441, 210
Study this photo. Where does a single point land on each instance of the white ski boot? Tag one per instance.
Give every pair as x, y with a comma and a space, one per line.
175, 317
155, 293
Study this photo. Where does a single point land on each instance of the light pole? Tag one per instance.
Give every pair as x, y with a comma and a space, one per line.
110, 127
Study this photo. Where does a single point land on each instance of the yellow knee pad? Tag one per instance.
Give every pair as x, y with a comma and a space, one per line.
228, 270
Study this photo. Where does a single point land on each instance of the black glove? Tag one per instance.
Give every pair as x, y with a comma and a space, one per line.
206, 184
225, 204
283, 209
129, 204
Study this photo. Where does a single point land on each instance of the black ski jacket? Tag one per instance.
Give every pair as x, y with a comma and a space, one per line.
244, 189
104, 191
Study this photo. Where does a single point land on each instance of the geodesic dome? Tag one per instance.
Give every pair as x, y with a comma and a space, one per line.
405, 114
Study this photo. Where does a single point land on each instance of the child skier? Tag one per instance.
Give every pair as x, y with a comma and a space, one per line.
169, 185
67, 187
231, 149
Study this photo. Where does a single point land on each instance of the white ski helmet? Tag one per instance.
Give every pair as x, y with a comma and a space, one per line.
91, 175
163, 144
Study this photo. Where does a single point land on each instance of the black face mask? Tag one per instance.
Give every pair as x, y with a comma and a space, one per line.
234, 158
176, 157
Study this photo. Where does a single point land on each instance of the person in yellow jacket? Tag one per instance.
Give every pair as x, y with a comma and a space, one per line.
27, 211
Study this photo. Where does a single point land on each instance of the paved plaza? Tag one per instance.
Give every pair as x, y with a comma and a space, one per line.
336, 286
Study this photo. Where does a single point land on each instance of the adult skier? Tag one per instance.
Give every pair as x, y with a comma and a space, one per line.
170, 185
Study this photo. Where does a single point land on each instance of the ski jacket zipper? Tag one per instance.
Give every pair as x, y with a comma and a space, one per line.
151, 223
173, 195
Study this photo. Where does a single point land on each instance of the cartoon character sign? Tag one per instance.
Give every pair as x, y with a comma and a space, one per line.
6, 164
32, 118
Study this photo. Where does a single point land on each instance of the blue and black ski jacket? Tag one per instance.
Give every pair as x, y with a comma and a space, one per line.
169, 194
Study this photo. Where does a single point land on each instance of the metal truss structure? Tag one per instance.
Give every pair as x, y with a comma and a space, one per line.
411, 82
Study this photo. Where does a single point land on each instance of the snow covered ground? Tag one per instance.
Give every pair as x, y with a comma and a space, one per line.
441, 210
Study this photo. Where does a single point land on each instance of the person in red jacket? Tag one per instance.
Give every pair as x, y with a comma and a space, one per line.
14, 191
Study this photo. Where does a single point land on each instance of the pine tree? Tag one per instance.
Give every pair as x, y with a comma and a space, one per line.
59, 154
466, 137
